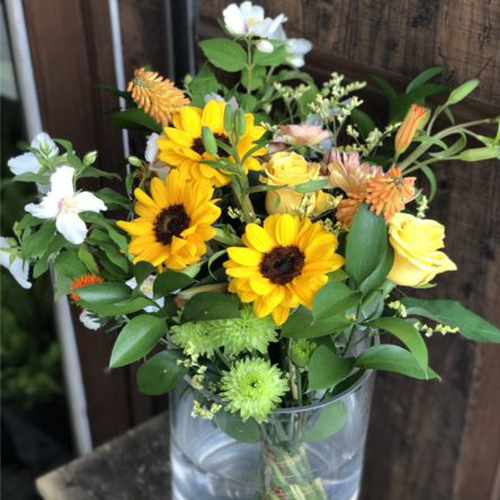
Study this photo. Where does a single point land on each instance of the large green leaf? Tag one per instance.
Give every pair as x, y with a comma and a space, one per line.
332, 419
203, 83
35, 245
133, 118
225, 54
300, 325
366, 244
137, 339
127, 306
326, 369
407, 334
451, 312
169, 281
209, 305
142, 270
104, 293
246, 432
461, 92
377, 278
424, 77
334, 299
392, 358
274, 58
160, 374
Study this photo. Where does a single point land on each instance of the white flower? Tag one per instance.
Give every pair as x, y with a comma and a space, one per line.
296, 48
11, 261
248, 19
151, 152
89, 321
63, 204
28, 162
147, 289
265, 46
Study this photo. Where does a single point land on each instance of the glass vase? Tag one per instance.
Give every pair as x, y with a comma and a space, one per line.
304, 453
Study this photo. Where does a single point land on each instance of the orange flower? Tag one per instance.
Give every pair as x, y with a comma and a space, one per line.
414, 121
157, 96
83, 282
389, 192
347, 208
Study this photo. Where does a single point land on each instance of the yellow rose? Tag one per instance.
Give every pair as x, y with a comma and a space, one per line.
291, 169
416, 243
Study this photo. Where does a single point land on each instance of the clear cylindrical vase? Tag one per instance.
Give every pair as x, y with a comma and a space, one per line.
304, 453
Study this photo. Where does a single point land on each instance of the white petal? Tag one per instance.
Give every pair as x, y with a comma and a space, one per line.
296, 61
20, 271
152, 148
71, 227
265, 46
61, 182
47, 209
278, 34
298, 46
260, 28
251, 12
89, 321
24, 163
45, 144
276, 24
87, 202
131, 283
233, 20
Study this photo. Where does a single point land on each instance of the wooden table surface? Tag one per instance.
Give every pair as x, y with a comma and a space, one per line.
134, 466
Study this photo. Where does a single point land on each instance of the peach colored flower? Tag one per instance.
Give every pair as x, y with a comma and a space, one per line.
415, 120
389, 192
302, 135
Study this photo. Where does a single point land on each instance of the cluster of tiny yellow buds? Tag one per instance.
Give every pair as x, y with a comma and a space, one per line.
202, 411
398, 307
189, 362
199, 378
235, 213
441, 328
334, 87
422, 206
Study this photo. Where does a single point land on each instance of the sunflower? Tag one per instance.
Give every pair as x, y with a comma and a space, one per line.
181, 146
283, 264
174, 222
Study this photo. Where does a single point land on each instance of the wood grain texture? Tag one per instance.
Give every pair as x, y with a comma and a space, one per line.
134, 466
434, 441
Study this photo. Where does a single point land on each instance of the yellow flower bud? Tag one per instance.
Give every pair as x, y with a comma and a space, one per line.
415, 120
417, 256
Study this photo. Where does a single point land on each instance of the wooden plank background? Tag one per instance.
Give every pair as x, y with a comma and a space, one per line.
435, 441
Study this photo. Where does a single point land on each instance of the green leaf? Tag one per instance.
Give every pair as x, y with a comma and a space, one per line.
209, 305
246, 432
160, 374
105, 293
386, 88
35, 245
377, 277
424, 77
170, 281
366, 244
112, 199
326, 369
253, 80
311, 186
31, 177
204, 83
333, 299
96, 172
431, 177
127, 306
392, 358
224, 54
275, 58
408, 334
137, 339
461, 92
332, 419
478, 154
451, 312
88, 259
300, 325
142, 270
134, 118
248, 102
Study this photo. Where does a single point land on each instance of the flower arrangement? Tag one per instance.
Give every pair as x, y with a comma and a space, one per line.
258, 248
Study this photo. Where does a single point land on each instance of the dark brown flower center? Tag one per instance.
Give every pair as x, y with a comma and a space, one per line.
200, 148
171, 222
282, 264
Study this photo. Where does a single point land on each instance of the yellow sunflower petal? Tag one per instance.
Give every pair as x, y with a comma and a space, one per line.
244, 256
280, 315
136, 227
213, 116
144, 198
190, 118
286, 229
159, 192
259, 238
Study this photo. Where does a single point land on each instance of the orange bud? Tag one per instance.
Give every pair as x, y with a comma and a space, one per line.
415, 120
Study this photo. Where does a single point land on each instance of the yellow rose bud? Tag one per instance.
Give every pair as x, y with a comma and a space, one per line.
415, 120
289, 169
417, 256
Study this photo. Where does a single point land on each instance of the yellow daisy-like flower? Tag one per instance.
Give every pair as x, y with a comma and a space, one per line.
283, 264
181, 146
174, 222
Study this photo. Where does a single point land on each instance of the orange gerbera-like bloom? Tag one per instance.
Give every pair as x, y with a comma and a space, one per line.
83, 282
389, 192
157, 96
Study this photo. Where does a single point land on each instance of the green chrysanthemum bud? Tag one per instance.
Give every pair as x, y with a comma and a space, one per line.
253, 388
196, 338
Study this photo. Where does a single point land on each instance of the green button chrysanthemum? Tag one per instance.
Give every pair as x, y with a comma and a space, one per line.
253, 388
